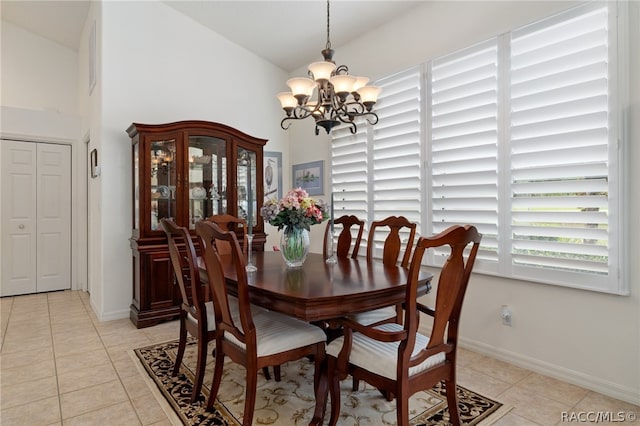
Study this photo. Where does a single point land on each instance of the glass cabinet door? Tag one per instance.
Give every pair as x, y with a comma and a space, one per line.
207, 178
246, 187
163, 181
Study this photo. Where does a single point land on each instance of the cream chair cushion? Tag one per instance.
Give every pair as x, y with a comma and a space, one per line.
279, 333
372, 317
233, 307
381, 357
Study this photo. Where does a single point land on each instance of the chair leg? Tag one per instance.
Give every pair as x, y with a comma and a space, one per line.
182, 344
217, 378
200, 367
355, 385
452, 401
265, 371
402, 409
334, 391
250, 397
276, 373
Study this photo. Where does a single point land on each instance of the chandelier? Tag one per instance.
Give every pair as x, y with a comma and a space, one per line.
340, 97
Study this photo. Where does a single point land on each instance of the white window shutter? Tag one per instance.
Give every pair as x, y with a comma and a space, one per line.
464, 143
560, 136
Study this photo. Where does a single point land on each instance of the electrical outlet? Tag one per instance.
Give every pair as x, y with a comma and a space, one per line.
506, 314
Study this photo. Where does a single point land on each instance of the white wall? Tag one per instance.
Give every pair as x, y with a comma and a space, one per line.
37, 74
586, 338
158, 66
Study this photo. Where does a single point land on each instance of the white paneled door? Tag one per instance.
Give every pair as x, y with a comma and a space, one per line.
36, 217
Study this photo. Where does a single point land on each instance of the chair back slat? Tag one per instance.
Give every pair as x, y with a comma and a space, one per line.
345, 238
238, 226
392, 243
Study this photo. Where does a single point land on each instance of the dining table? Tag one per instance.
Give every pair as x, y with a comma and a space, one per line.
319, 292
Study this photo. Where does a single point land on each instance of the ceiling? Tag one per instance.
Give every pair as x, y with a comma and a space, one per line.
289, 34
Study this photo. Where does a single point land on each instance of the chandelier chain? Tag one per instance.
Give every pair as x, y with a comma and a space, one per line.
328, 38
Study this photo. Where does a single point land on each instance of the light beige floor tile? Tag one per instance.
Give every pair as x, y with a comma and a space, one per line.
37, 413
34, 371
533, 406
92, 398
133, 339
28, 331
479, 382
135, 386
553, 388
511, 419
466, 357
165, 422
12, 395
93, 358
115, 326
76, 345
117, 414
25, 358
18, 344
597, 402
81, 378
498, 369
85, 326
126, 367
148, 409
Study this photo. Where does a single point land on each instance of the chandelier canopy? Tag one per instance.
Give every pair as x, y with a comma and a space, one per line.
340, 97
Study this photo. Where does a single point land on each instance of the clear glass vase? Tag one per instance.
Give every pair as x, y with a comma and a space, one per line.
294, 246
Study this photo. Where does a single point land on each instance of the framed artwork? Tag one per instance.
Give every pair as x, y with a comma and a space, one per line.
309, 176
272, 175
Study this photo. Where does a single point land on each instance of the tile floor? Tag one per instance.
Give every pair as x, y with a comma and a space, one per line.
59, 365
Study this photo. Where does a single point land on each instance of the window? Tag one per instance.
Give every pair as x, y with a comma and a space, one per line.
517, 135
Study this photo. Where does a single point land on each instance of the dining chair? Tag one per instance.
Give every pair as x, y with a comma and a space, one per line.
395, 358
196, 315
392, 248
254, 341
345, 238
238, 226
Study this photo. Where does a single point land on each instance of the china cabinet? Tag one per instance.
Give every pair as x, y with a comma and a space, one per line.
186, 171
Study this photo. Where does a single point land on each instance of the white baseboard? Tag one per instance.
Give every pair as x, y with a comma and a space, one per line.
109, 316
595, 384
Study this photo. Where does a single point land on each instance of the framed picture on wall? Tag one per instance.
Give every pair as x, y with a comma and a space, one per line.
309, 176
272, 175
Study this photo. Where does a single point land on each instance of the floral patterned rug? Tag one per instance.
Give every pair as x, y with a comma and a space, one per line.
291, 401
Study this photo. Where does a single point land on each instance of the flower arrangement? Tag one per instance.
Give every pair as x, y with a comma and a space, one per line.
296, 209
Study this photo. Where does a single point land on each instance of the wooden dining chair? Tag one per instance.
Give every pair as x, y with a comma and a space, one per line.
238, 226
392, 248
345, 238
196, 315
396, 358
253, 341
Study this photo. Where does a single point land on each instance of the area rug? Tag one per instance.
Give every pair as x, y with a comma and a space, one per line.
291, 401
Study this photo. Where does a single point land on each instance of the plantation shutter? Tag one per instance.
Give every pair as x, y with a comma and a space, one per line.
464, 143
560, 136
396, 151
349, 171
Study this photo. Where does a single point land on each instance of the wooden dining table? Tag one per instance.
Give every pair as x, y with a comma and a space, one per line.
318, 291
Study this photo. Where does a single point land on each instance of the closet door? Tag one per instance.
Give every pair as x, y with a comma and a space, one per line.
36, 217
19, 162
53, 217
